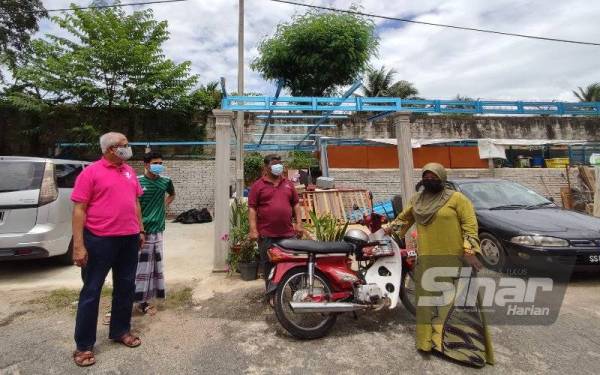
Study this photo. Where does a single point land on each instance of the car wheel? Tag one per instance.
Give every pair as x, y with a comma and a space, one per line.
67, 258
492, 254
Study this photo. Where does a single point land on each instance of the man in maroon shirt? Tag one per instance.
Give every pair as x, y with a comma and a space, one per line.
273, 203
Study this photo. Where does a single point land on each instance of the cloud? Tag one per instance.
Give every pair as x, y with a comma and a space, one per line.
440, 62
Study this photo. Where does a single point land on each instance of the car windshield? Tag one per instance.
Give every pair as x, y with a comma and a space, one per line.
20, 175
502, 194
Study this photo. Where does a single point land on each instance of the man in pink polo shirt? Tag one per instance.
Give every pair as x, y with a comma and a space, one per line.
107, 234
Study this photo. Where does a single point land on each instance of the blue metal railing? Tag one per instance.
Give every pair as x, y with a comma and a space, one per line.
359, 104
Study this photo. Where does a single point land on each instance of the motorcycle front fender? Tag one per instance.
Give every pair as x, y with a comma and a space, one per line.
386, 273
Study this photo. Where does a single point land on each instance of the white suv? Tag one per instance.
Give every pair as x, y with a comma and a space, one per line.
35, 207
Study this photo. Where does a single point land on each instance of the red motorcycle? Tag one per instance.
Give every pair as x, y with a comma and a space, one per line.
314, 281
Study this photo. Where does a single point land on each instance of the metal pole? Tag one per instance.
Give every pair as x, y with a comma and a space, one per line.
239, 154
324, 158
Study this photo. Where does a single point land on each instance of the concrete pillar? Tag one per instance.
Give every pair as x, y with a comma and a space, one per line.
405, 157
324, 160
223, 125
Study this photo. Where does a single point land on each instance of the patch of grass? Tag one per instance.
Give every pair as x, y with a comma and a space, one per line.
64, 297
58, 298
106, 292
179, 298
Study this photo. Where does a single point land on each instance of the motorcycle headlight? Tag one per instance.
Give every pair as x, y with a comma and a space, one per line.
539, 241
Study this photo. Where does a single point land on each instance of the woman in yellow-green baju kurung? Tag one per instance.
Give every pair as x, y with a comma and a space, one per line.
446, 237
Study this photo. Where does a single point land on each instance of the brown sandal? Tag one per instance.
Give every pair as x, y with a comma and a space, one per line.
129, 340
84, 359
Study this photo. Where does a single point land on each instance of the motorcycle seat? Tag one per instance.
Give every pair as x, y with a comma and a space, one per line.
316, 247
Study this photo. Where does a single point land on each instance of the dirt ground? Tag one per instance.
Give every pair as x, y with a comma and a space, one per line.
214, 324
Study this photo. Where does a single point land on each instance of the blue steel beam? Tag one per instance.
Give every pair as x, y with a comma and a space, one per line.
339, 103
380, 115
276, 148
268, 120
300, 116
151, 143
282, 135
284, 125
223, 88
359, 104
247, 146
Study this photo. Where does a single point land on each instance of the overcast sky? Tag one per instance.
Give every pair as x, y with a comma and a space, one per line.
440, 62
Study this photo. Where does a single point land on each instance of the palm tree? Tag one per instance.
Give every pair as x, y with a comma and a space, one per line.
590, 94
403, 89
380, 83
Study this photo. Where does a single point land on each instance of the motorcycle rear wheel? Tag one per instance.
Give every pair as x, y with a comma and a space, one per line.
302, 326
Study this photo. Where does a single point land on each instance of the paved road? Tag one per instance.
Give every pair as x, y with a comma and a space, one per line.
229, 330
235, 332
188, 258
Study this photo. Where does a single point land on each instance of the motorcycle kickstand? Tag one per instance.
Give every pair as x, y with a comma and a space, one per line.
355, 315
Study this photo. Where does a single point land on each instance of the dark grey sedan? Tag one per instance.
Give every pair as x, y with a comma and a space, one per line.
517, 226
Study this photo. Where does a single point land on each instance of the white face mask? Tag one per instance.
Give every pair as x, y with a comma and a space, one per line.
124, 153
277, 169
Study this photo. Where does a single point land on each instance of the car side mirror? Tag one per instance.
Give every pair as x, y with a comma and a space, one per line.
551, 199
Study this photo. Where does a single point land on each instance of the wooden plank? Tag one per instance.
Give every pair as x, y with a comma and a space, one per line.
338, 202
587, 177
565, 194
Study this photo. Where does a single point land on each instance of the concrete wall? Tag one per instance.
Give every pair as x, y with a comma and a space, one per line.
194, 180
443, 126
385, 183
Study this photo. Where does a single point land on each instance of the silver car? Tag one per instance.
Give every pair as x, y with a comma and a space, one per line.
35, 207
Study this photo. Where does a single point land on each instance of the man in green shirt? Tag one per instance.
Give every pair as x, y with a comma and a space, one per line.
158, 195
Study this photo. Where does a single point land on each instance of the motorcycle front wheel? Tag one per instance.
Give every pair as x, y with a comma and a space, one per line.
294, 288
408, 291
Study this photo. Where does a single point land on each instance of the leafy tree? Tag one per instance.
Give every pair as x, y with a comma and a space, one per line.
590, 94
253, 167
110, 60
18, 20
301, 160
317, 52
379, 82
205, 98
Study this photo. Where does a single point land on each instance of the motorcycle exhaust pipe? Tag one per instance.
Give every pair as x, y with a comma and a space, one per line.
325, 307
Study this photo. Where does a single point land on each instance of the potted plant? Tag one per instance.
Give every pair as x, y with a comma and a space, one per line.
326, 227
247, 260
242, 251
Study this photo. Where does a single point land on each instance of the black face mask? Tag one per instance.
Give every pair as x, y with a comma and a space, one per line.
432, 186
